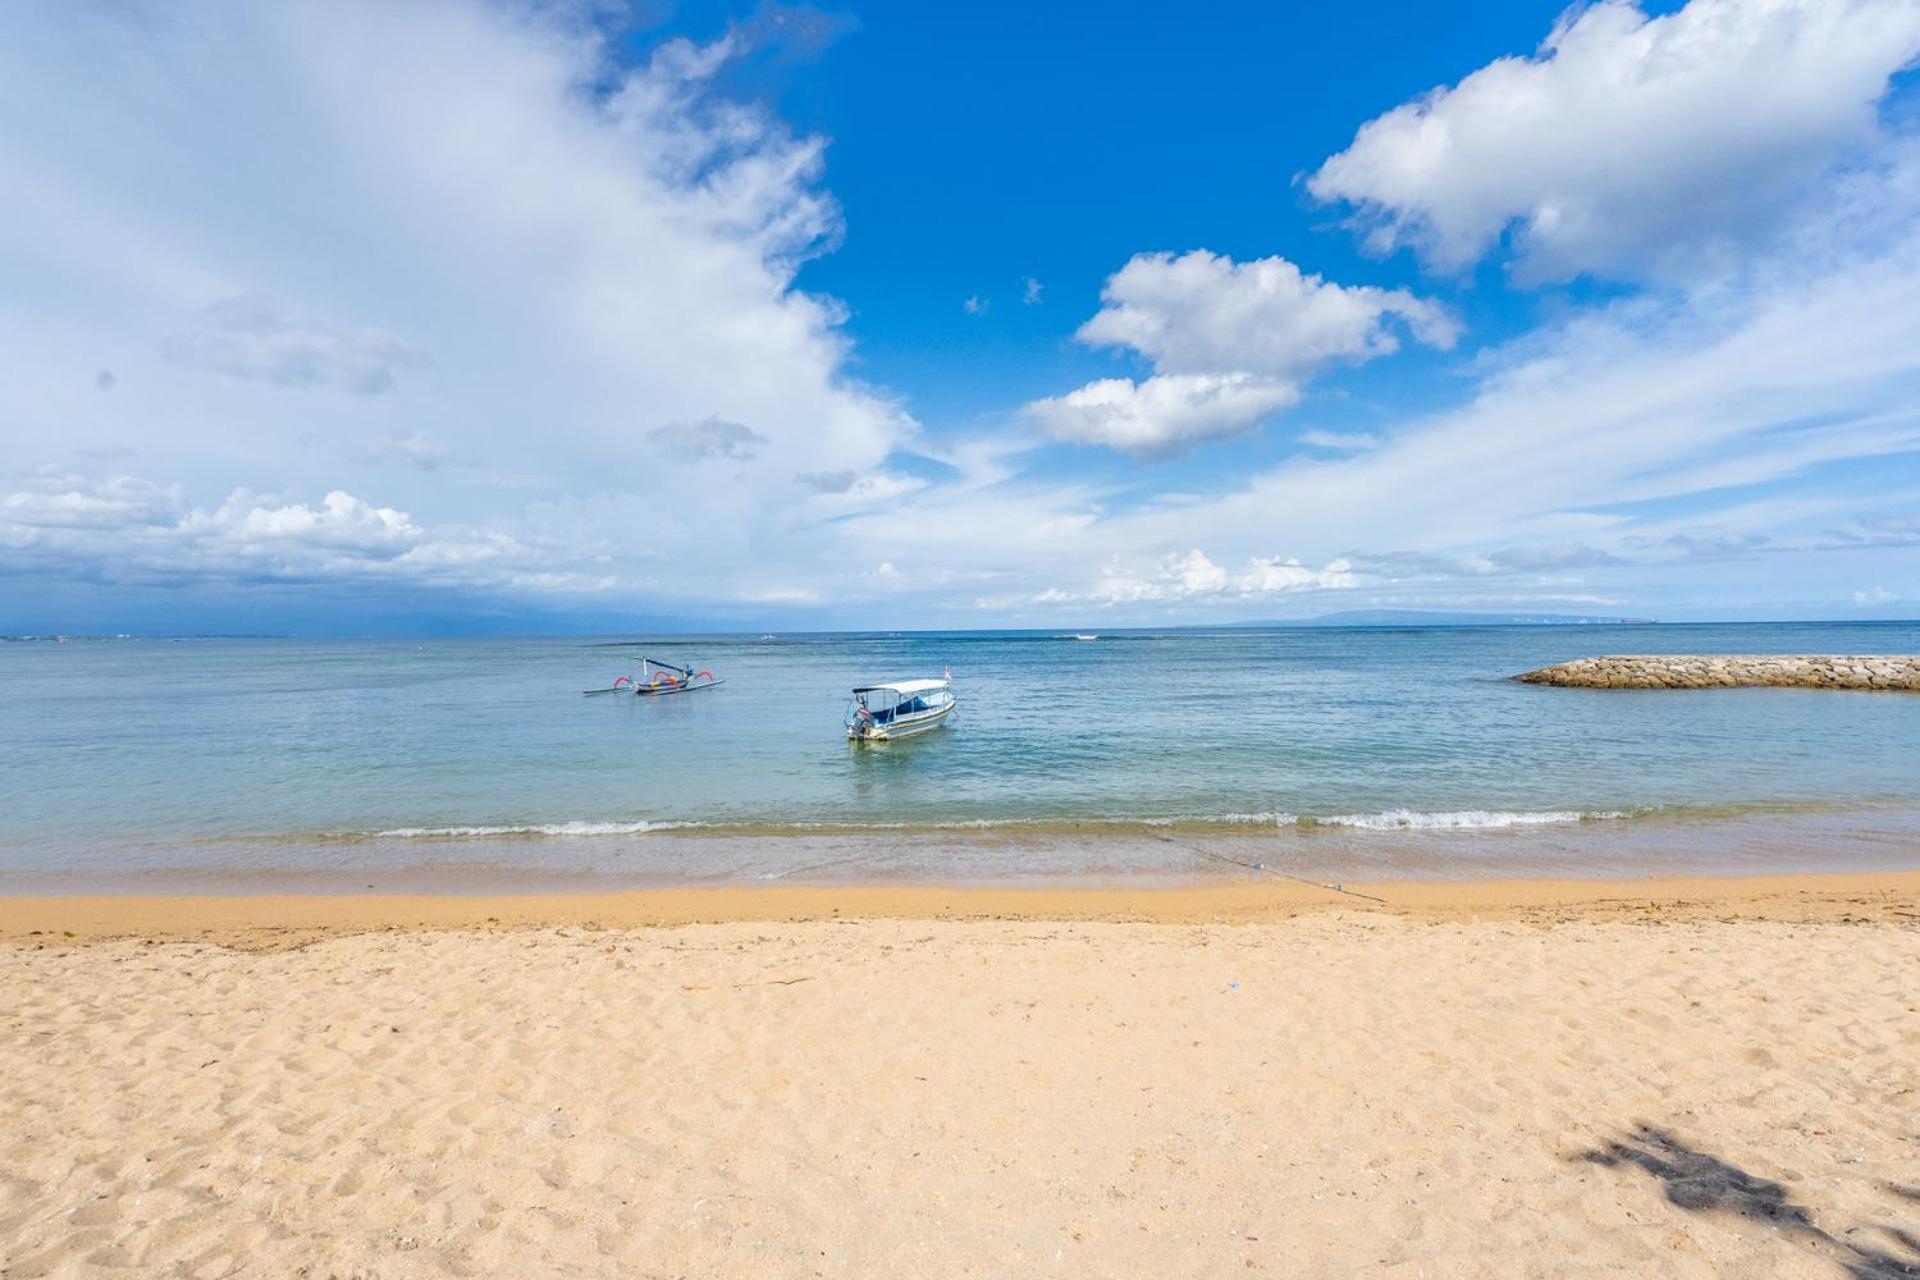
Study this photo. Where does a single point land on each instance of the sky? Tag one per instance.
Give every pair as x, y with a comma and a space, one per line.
443, 316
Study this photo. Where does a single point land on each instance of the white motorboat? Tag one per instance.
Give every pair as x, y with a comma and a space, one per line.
883, 712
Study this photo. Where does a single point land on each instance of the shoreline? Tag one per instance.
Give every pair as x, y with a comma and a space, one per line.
281, 920
1784, 840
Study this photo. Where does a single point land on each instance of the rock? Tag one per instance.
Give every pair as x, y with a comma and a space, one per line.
1699, 671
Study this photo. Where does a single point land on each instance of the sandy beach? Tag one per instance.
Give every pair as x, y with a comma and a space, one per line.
1706, 1078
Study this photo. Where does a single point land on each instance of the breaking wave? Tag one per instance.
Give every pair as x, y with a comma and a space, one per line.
1462, 819
1386, 820
541, 829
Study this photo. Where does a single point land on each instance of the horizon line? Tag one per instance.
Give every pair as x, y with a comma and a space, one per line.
1569, 624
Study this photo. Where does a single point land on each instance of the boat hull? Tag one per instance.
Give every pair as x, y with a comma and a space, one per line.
661, 691
904, 728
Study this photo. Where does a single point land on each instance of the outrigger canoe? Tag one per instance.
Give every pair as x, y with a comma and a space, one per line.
651, 683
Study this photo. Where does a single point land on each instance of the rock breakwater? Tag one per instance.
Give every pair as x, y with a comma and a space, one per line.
1709, 671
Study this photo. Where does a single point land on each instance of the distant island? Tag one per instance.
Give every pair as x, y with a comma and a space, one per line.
1423, 618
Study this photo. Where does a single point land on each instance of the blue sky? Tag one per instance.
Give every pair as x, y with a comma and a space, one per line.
448, 315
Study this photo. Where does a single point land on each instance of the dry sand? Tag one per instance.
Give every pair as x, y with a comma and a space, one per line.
1709, 1079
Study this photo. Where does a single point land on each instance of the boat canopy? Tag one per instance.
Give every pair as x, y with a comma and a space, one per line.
904, 688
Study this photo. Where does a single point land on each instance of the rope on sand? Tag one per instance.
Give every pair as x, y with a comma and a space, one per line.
1261, 866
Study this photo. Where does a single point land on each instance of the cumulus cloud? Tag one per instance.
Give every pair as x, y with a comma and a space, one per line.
1230, 343
125, 524
341, 522
61, 500
255, 337
1193, 577
125, 529
1203, 312
1263, 577
1628, 143
1165, 414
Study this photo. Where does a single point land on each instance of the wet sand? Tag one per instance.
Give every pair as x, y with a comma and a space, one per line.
1546, 1078
268, 919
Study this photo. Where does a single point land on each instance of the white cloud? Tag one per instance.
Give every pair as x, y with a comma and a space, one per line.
978, 461
1192, 577
708, 439
1874, 595
1164, 414
1551, 481
255, 337
127, 530
1345, 441
587, 248
1263, 577
1760, 399
1030, 290
975, 305
1574, 434
590, 251
1201, 312
1194, 573
1230, 343
1628, 143
341, 522
56, 500
838, 493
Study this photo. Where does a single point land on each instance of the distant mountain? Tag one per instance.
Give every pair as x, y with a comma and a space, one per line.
1423, 618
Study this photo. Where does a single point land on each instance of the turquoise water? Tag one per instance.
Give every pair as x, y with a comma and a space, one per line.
256, 757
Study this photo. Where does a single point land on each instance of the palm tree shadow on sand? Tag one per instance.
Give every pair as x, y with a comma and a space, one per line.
1702, 1183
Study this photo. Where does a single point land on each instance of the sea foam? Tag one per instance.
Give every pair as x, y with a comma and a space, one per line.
1462, 819
1386, 820
540, 829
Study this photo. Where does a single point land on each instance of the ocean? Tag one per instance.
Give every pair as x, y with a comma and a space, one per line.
261, 764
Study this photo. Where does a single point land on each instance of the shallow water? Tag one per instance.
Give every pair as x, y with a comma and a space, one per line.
1329, 749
